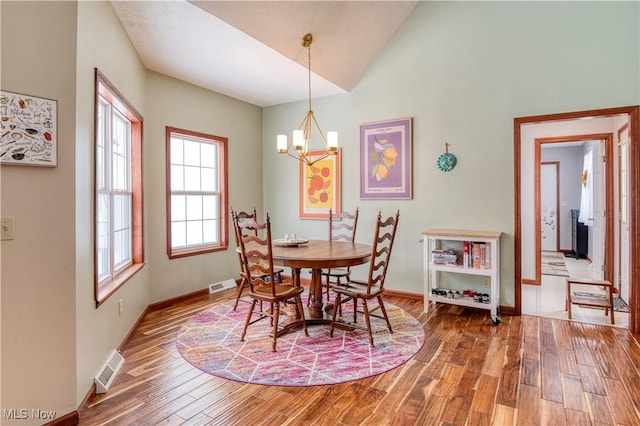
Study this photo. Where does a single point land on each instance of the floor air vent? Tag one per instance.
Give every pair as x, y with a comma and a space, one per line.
221, 286
107, 373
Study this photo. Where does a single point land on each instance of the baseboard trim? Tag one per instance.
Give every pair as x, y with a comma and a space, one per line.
403, 294
508, 310
168, 302
70, 419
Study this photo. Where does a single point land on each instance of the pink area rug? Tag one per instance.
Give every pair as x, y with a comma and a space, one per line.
210, 341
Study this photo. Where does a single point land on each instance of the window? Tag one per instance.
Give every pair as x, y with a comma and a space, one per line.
196, 193
118, 190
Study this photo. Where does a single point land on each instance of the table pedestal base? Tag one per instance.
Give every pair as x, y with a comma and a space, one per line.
294, 321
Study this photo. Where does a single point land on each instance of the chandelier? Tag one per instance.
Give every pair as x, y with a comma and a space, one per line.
301, 148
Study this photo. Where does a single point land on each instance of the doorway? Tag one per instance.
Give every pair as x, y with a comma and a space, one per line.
527, 232
550, 206
578, 180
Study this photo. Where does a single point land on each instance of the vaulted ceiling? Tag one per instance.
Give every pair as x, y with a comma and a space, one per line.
252, 50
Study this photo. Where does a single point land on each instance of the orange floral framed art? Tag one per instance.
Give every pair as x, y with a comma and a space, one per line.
385, 159
320, 186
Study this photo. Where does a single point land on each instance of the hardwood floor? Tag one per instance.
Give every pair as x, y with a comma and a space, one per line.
526, 371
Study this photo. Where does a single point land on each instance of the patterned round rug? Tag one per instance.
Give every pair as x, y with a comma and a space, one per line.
210, 341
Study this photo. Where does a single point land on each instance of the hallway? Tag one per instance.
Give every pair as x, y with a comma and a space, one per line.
548, 300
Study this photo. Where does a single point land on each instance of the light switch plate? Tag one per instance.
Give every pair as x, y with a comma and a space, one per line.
6, 228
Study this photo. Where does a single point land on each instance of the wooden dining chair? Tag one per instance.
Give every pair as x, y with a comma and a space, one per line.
246, 222
373, 287
342, 227
257, 257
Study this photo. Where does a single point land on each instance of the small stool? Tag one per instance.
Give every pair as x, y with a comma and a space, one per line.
606, 303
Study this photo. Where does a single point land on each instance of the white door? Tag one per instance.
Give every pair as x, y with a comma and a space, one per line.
549, 206
623, 216
599, 225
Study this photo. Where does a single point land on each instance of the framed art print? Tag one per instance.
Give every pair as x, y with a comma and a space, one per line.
320, 186
28, 130
385, 159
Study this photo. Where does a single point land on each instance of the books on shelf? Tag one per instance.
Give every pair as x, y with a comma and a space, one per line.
481, 255
444, 257
474, 255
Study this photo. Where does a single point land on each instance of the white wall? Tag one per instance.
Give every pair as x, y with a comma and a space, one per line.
464, 71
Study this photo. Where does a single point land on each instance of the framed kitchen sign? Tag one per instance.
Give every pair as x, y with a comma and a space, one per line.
28, 130
385, 159
320, 186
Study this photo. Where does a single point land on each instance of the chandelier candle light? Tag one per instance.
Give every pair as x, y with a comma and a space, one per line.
301, 147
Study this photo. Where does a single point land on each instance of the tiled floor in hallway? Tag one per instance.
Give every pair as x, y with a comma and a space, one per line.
548, 299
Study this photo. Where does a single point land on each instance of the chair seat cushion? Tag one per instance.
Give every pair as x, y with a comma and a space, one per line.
357, 289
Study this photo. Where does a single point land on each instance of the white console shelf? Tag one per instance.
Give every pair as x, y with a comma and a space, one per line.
436, 239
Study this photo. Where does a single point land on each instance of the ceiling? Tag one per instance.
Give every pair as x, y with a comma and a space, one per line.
252, 50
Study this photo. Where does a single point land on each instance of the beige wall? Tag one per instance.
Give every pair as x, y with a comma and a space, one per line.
53, 337
102, 44
464, 71
162, 101
38, 266
171, 102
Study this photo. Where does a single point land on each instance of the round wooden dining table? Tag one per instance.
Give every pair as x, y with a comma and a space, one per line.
318, 255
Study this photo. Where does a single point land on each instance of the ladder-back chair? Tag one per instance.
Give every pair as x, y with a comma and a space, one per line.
373, 287
342, 227
257, 256
247, 222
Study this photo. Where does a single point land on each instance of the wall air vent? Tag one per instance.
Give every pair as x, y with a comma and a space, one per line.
221, 286
108, 371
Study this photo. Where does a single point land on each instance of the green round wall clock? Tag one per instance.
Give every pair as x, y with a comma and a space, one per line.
447, 161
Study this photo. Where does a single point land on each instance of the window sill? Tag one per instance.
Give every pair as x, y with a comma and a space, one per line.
106, 290
193, 252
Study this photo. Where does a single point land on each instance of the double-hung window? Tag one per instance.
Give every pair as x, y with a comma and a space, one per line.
196, 192
118, 190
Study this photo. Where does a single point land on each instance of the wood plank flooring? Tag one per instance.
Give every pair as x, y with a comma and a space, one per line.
525, 371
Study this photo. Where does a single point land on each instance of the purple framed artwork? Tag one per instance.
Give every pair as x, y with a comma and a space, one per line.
385, 159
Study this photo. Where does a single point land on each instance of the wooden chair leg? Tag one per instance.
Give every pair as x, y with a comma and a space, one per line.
246, 323
568, 299
239, 290
328, 286
329, 301
611, 304
367, 320
272, 314
304, 320
276, 316
384, 312
355, 309
336, 301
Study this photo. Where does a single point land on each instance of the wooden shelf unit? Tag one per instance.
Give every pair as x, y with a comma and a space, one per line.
433, 239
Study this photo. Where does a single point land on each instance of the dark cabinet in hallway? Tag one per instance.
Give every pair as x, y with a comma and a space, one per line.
579, 237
